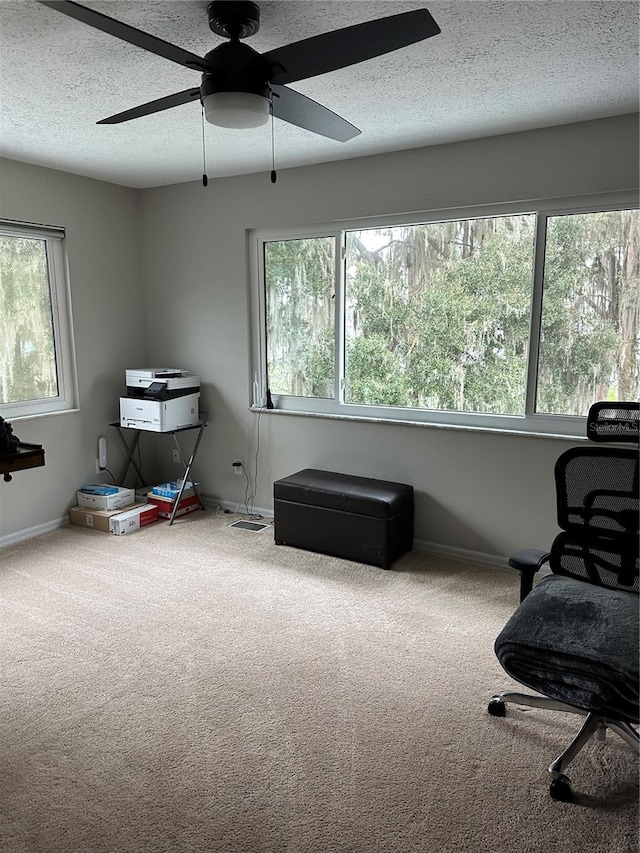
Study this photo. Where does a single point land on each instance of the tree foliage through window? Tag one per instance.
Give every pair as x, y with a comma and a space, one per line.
28, 362
437, 316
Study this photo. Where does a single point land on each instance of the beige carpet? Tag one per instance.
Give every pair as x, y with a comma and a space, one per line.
197, 688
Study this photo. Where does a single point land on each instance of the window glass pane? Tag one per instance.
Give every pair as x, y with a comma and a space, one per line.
437, 315
300, 319
590, 331
28, 361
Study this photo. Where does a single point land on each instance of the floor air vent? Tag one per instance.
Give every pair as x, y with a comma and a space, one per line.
253, 526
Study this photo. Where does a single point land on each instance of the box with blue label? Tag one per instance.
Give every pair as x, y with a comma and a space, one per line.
171, 490
120, 498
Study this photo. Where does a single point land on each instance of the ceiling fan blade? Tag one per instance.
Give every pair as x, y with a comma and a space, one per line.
154, 106
127, 33
348, 46
291, 106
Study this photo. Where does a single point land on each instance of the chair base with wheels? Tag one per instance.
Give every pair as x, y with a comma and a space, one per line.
594, 726
559, 641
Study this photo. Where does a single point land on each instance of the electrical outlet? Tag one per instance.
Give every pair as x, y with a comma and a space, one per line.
237, 467
175, 455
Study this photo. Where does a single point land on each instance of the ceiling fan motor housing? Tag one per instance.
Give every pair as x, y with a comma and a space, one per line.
234, 67
235, 90
235, 19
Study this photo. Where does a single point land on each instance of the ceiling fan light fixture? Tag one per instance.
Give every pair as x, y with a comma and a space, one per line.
236, 109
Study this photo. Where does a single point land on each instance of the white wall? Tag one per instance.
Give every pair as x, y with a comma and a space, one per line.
103, 236
482, 492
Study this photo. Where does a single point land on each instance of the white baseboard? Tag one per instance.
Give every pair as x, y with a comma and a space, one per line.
30, 532
234, 507
419, 544
462, 554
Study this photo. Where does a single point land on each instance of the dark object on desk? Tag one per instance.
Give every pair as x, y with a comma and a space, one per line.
574, 638
356, 518
8, 441
16, 455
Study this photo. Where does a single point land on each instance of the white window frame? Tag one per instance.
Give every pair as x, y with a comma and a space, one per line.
530, 423
64, 346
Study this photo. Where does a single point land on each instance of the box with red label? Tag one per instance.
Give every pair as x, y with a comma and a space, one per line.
133, 519
165, 507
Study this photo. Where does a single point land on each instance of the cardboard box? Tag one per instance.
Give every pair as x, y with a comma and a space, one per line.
96, 519
122, 498
168, 494
133, 519
165, 507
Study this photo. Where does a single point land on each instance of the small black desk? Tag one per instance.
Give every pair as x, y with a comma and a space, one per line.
132, 447
25, 456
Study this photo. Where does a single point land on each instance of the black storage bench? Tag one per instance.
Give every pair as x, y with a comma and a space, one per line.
357, 518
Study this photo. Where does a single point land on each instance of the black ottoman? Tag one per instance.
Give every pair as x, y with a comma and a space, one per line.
357, 518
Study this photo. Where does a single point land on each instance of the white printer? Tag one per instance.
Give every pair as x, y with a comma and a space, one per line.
160, 399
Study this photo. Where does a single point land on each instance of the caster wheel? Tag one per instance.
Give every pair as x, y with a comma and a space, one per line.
561, 790
497, 708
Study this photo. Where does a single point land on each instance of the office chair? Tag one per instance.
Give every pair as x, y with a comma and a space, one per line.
574, 637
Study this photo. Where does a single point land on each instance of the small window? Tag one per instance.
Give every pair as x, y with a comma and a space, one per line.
299, 294
36, 368
590, 326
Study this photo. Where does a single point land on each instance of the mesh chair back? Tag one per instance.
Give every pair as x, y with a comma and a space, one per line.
597, 491
598, 502
603, 562
619, 422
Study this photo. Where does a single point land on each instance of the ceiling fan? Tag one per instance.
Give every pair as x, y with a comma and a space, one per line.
241, 87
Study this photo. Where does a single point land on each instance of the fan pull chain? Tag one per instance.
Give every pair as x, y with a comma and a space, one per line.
205, 179
274, 176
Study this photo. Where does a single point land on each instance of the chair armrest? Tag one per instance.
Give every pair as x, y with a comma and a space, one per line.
528, 561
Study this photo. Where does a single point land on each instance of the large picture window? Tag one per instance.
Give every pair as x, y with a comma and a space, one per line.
437, 315
518, 320
36, 359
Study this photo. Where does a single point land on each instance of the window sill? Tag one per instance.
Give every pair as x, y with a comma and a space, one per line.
38, 415
419, 424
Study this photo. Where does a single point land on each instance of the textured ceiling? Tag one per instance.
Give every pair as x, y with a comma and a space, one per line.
496, 67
